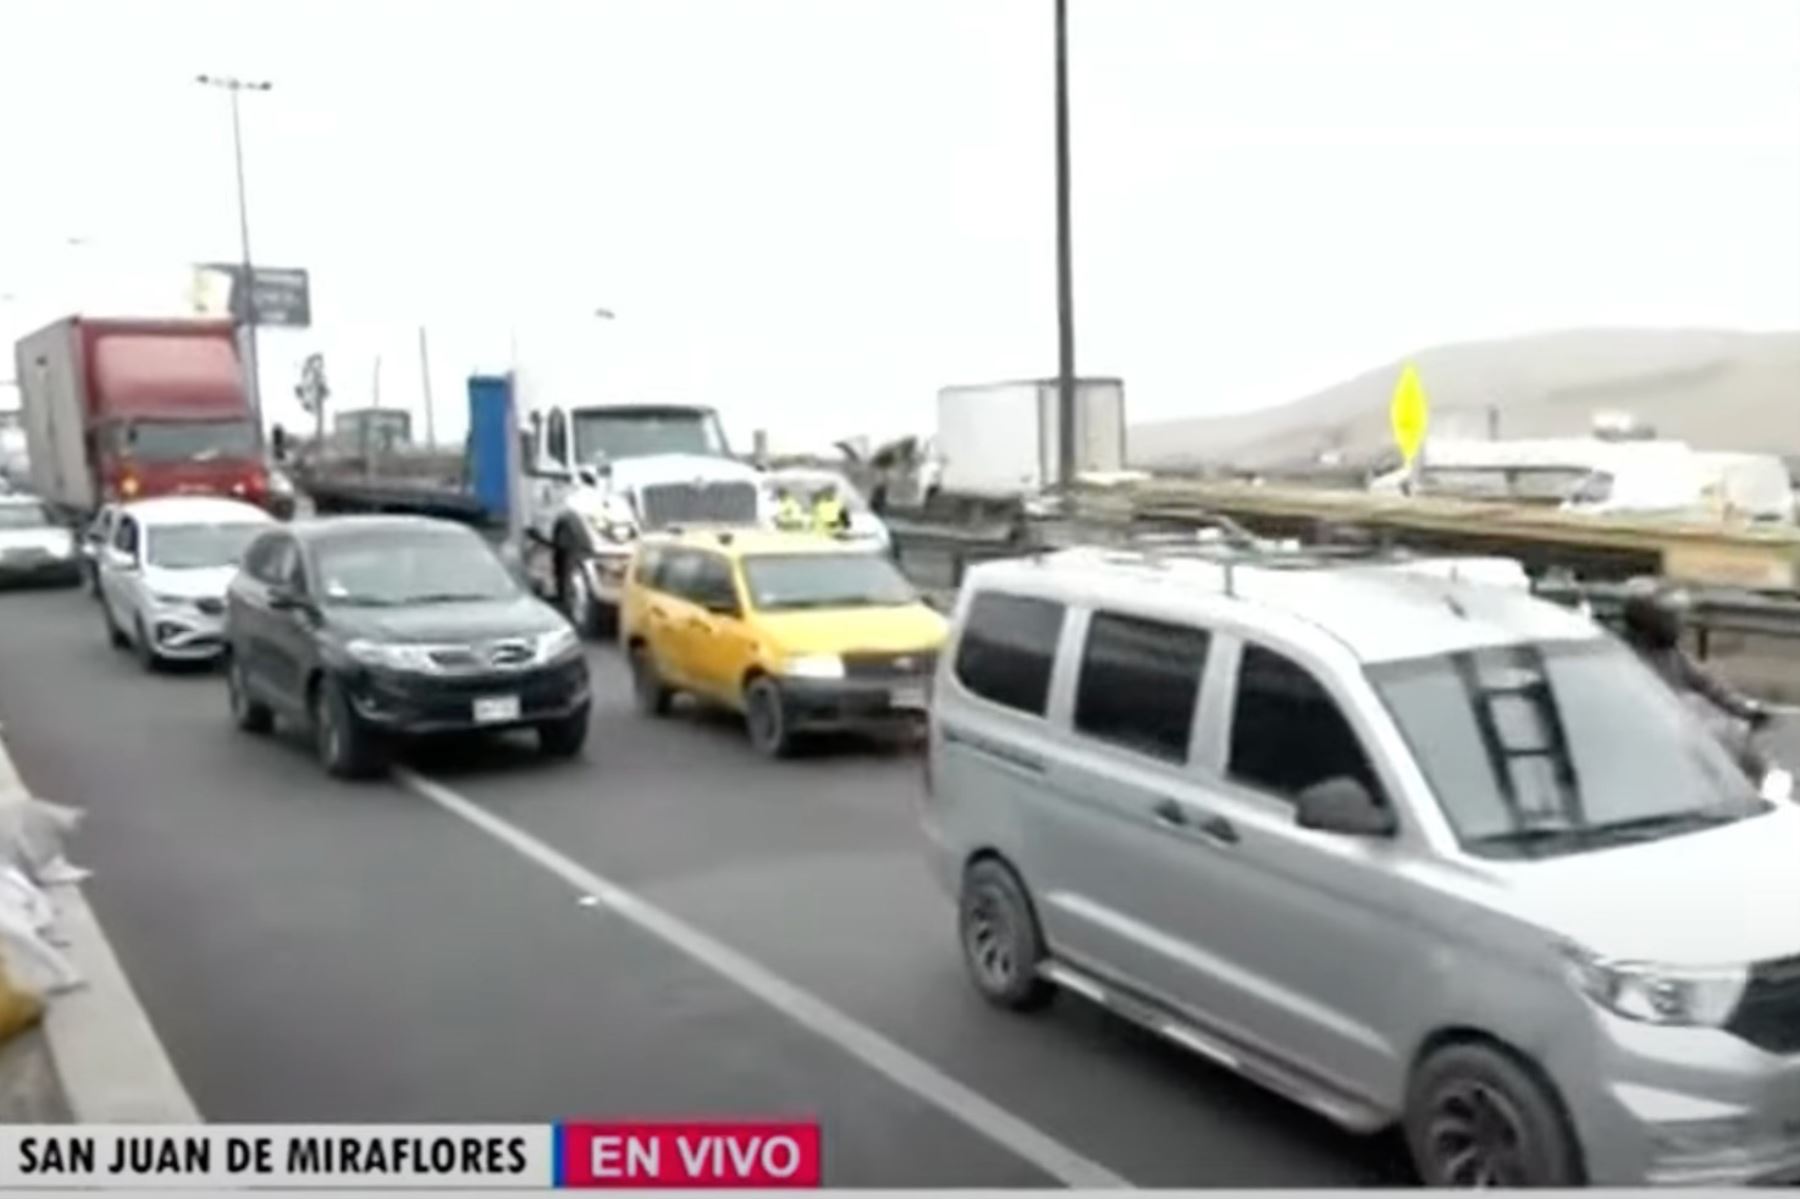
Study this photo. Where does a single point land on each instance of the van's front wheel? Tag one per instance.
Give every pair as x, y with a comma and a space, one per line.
1001, 942
1476, 1116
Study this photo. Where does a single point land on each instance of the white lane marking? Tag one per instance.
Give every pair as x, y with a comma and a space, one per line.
805, 1009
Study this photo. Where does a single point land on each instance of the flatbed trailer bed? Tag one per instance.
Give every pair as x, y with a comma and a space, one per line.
1755, 557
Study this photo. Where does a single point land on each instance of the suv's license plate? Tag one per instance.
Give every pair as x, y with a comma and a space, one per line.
907, 697
496, 709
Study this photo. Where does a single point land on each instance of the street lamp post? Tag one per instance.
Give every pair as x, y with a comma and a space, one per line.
247, 307
1065, 282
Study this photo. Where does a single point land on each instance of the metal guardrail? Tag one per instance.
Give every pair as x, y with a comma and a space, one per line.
937, 558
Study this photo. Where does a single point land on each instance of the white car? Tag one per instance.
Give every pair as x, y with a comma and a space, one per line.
34, 545
163, 571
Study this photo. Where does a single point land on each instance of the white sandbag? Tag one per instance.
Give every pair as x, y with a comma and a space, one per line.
32, 963
31, 839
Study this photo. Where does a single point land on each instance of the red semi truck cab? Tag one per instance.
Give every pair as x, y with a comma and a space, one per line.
122, 409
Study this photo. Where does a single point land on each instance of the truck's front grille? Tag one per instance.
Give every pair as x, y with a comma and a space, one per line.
1768, 1016
665, 504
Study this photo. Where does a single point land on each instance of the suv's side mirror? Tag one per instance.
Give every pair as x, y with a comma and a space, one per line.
1344, 805
723, 605
120, 560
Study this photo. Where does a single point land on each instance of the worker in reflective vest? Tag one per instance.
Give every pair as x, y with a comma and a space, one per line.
788, 513
828, 512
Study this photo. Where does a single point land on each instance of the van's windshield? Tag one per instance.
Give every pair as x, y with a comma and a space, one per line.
1560, 747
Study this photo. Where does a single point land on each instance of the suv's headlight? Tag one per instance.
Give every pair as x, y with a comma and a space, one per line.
1694, 997
814, 666
558, 643
391, 656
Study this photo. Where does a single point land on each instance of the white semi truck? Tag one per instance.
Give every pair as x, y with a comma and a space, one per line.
595, 476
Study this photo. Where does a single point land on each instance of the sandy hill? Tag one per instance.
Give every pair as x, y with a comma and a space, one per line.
1716, 390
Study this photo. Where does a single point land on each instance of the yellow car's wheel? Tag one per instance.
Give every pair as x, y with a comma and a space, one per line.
766, 719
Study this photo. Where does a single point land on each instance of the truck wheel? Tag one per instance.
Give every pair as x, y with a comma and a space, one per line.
346, 747
583, 608
1476, 1116
1001, 943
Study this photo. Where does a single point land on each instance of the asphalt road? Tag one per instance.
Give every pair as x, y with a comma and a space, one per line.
310, 950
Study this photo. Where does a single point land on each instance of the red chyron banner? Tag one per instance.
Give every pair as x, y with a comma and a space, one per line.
688, 1155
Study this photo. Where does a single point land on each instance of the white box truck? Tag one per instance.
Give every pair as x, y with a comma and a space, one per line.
1001, 441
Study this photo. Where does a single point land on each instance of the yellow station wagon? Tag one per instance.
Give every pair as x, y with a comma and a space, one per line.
800, 632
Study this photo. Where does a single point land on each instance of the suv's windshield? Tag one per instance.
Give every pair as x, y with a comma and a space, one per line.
388, 569
25, 516
188, 440
1560, 747
602, 435
197, 547
787, 581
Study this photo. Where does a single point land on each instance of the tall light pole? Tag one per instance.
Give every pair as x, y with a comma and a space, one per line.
1065, 282
247, 307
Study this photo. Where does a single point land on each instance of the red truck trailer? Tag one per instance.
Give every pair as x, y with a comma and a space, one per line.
125, 408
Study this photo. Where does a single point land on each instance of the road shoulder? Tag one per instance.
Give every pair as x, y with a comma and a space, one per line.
103, 1053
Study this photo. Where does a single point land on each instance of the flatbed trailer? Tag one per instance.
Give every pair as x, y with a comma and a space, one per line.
1751, 556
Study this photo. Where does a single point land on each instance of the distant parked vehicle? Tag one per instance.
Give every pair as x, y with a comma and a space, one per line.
34, 546
163, 571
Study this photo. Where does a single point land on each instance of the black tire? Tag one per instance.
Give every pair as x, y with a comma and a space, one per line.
246, 713
345, 746
647, 688
592, 618
114, 634
1001, 942
564, 738
1476, 1115
766, 719
145, 648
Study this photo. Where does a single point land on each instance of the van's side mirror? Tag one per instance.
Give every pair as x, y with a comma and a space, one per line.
1343, 805
588, 476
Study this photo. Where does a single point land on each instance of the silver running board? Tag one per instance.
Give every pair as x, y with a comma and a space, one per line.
1341, 1109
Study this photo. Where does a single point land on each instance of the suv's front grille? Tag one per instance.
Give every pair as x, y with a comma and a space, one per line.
1768, 1016
889, 666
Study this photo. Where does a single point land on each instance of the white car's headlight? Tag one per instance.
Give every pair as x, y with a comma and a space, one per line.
558, 643
1653, 994
391, 656
814, 666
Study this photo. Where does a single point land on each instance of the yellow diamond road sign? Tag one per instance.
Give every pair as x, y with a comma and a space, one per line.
1410, 413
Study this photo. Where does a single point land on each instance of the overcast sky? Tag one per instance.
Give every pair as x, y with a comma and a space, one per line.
814, 213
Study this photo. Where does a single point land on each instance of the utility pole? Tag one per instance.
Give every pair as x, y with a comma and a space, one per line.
247, 281
1065, 282
425, 381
